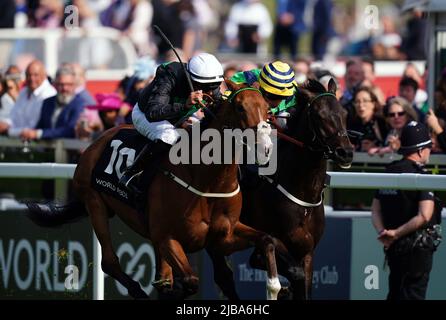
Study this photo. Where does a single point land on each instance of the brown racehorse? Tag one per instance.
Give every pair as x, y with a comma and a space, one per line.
179, 220
289, 204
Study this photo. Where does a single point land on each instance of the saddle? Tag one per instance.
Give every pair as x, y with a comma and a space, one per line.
117, 155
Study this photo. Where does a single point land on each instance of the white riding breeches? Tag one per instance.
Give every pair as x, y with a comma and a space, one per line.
162, 130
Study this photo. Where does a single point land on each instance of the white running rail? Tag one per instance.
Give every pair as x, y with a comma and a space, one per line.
351, 180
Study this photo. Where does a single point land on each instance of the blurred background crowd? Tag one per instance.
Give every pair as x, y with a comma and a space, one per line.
38, 105
311, 27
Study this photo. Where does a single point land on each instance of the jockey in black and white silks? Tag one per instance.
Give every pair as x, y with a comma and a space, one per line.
166, 100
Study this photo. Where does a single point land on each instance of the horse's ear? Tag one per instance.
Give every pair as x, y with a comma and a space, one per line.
332, 86
232, 86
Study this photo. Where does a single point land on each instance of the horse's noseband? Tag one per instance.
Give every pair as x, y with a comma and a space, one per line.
231, 98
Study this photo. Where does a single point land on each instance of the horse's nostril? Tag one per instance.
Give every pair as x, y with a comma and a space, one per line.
350, 154
340, 152
344, 153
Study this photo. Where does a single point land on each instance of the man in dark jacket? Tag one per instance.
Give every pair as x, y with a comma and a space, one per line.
60, 113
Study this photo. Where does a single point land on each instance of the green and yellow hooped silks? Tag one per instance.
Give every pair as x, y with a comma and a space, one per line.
277, 78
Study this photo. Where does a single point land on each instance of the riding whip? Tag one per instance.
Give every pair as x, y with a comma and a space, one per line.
189, 81
161, 33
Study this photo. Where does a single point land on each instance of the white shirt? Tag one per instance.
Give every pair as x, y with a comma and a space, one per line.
26, 111
7, 102
247, 12
420, 98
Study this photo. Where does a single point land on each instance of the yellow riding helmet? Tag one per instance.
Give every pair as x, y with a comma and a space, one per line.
278, 78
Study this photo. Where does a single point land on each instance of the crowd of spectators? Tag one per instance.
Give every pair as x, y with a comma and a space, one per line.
246, 26
37, 108
381, 122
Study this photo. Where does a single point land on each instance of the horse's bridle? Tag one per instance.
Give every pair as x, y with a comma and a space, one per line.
235, 93
319, 143
189, 187
322, 144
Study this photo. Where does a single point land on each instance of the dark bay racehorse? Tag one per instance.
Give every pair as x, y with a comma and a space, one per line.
289, 204
179, 219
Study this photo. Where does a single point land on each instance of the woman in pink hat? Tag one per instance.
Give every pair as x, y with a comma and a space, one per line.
107, 113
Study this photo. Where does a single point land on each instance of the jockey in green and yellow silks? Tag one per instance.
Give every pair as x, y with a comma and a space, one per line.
276, 82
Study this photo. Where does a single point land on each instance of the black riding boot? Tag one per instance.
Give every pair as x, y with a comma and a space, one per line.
130, 177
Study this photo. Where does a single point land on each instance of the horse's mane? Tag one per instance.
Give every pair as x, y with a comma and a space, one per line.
304, 94
312, 86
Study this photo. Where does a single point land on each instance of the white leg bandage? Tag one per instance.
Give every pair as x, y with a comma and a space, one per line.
264, 143
272, 288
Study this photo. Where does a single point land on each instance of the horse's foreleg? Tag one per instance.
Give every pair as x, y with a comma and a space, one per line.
308, 268
273, 284
110, 263
164, 281
164, 274
244, 237
302, 287
172, 251
286, 264
223, 275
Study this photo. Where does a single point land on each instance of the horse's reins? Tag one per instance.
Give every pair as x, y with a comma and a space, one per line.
290, 139
196, 191
205, 110
235, 93
285, 137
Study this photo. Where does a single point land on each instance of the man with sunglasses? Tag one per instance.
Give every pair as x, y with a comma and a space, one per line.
165, 101
407, 222
276, 83
396, 114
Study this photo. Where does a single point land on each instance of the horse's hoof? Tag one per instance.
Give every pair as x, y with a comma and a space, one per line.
162, 284
233, 297
190, 285
285, 294
137, 293
170, 294
296, 274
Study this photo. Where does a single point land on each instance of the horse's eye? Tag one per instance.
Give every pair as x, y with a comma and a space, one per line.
240, 108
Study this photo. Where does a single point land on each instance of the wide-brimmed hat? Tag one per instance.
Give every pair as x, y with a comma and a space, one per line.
107, 102
415, 136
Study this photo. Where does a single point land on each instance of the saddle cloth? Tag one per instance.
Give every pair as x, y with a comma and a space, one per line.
119, 153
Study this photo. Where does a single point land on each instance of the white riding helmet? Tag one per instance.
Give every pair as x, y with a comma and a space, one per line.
205, 68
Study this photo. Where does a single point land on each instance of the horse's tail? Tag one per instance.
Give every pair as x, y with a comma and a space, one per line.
50, 215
